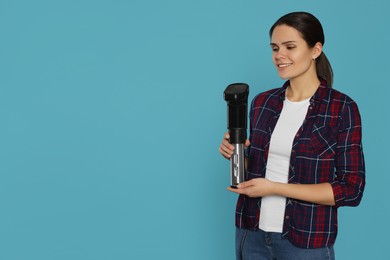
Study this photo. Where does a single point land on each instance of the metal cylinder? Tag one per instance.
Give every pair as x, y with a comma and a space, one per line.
237, 166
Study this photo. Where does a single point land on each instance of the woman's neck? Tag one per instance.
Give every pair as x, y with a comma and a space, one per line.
302, 88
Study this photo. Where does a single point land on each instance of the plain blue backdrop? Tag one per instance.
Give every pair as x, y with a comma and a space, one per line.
111, 114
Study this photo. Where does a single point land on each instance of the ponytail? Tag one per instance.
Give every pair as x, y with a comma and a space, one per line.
324, 69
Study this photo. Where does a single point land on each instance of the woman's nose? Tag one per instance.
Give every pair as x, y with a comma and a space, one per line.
279, 54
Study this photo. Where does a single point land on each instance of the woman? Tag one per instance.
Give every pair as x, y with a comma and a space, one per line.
304, 155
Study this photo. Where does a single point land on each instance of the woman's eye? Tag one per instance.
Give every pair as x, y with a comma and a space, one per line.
274, 49
290, 47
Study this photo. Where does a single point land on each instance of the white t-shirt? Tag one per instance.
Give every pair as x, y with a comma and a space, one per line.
290, 120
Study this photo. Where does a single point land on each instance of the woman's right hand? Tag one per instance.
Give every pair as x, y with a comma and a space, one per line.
226, 148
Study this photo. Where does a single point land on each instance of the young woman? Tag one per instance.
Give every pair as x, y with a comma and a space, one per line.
304, 155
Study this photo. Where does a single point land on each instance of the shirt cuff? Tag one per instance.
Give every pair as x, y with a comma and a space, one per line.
337, 193
246, 152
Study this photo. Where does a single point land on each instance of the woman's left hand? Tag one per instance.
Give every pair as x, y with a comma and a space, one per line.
259, 187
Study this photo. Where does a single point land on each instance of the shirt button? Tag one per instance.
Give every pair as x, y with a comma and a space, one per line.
287, 217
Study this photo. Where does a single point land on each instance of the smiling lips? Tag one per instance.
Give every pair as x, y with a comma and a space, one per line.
283, 65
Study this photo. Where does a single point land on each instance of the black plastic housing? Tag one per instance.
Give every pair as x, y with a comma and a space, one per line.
236, 96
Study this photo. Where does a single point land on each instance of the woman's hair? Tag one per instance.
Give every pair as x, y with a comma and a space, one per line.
311, 31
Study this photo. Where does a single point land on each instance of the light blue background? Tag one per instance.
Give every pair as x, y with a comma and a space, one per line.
111, 114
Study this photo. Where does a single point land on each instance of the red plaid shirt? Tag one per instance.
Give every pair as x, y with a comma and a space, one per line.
326, 148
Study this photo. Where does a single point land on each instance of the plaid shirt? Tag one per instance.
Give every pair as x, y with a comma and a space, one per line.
326, 148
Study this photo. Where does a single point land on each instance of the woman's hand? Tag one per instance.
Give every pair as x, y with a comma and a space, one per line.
226, 148
259, 187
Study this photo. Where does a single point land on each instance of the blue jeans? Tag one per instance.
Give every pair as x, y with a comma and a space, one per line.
260, 245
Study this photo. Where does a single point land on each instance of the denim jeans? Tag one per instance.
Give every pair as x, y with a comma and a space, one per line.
260, 245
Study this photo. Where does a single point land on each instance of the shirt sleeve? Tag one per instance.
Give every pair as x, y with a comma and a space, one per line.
349, 182
247, 150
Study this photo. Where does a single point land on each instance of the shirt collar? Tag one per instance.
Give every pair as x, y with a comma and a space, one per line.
319, 95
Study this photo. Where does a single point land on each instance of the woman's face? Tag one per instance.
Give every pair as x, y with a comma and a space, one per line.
290, 53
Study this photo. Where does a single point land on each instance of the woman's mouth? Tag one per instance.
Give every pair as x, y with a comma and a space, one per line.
283, 65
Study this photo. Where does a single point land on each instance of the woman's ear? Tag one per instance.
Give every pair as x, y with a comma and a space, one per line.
317, 50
